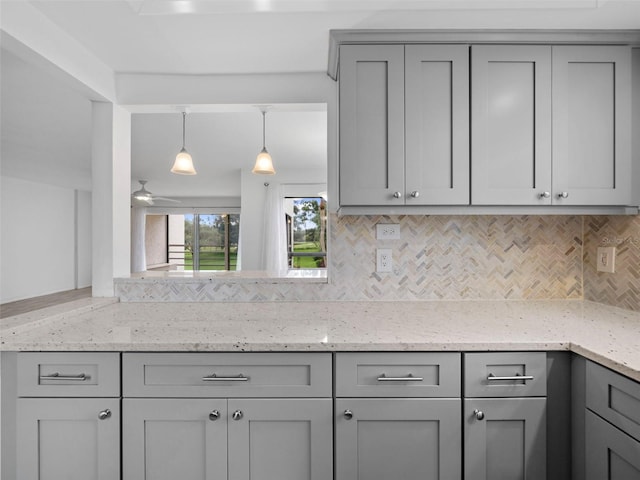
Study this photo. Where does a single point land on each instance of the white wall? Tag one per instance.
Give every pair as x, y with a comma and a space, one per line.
83, 236
38, 239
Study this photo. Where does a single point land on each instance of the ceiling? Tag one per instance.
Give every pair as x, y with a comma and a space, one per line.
266, 36
45, 120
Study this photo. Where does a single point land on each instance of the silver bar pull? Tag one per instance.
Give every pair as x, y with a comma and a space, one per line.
408, 378
61, 377
492, 378
233, 378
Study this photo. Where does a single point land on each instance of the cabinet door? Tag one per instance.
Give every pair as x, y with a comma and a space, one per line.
505, 439
511, 125
67, 439
610, 453
409, 439
284, 439
371, 124
437, 124
592, 125
169, 439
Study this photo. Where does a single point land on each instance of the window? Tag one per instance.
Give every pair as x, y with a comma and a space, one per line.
306, 223
210, 242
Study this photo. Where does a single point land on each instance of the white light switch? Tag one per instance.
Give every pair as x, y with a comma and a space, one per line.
606, 259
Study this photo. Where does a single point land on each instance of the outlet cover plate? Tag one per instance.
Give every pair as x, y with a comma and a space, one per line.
384, 260
388, 231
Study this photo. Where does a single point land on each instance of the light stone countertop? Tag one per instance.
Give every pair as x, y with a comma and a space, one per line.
607, 335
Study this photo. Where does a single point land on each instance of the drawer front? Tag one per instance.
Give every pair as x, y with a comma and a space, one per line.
397, 374
68, 374
614, 397
226, 374
495, 374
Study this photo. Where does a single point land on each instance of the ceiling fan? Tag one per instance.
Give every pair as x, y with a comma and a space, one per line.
144, 198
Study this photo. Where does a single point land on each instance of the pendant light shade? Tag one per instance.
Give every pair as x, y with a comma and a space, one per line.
184, 163
264, 164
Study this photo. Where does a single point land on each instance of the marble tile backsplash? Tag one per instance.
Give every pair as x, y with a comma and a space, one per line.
622, 288
437, 258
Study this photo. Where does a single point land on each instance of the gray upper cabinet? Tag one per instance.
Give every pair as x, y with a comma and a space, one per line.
372, 125
592, 125
404, 125
511, 129
534, 147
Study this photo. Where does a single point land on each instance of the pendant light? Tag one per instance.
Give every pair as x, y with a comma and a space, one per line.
184, 163
264, 164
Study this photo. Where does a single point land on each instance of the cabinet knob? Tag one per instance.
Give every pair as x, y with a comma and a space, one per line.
237, 415
479, 414
397, 195
563, 195
348, 414
214, 415
415, 194
545, 195
104, 414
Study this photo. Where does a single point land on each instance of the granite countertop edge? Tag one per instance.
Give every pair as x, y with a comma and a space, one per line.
607, 335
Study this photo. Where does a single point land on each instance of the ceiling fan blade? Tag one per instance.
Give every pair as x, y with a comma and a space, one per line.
141, 202
165, 199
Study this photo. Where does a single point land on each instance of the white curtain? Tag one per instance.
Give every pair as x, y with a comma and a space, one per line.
274, 248
138, 253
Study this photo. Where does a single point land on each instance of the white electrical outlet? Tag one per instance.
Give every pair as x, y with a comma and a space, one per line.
387, 231
384, 261
606, 259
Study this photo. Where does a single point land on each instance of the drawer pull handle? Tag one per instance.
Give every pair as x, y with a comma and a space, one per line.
61, 377
492, 378
348, 414
237, 415
408, 378
216, 378
479, 414
104, 414
214, 415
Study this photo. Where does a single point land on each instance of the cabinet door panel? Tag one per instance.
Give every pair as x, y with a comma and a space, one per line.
412, 439
371, 124
65, 439
610, 453
284, 439
168, 439
509, 442
437, 124
511, 133
591, 125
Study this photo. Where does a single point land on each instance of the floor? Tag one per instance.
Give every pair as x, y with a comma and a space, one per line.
36, 303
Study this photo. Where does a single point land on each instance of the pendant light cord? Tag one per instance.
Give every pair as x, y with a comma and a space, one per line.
264, 143
184, 117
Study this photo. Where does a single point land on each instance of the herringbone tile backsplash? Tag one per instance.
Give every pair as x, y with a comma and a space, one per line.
460, 257
438, 257
622, 288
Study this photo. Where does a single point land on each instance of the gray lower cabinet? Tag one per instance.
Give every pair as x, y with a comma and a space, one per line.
409, 439
397, 416
611, 454
62, 430
238, 439
227, 416
68, 438
612, 425
505, 438
505, 416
